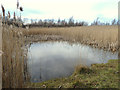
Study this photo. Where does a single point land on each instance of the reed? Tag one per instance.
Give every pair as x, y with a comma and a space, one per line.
13, 58
0, 52
98, 36
14, 62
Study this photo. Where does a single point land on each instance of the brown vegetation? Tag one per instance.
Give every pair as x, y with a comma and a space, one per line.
14, 67
13, 58
0, 54
105, 37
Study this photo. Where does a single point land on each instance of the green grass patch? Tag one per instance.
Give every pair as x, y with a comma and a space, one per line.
96, 76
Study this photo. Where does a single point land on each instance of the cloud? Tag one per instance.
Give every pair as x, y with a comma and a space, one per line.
87, 10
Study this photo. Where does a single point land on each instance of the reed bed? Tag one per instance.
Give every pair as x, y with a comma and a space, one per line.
98, 36
14, 65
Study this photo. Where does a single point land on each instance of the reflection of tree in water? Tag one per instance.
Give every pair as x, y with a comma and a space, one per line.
119, 54
103, 56
40, 73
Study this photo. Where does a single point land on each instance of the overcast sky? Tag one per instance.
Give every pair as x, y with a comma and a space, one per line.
87, 10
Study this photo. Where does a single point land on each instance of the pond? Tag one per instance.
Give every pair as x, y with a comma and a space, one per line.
50, 60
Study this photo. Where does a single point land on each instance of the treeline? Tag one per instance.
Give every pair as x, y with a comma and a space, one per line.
98, 22
56, 23
66, 23
17, 21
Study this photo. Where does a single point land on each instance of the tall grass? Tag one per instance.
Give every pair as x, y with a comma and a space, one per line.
13, 58
99, 36
0, 52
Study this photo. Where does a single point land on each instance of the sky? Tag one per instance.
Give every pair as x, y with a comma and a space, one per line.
81, 10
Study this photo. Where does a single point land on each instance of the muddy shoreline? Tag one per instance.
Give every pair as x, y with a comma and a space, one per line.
113, 47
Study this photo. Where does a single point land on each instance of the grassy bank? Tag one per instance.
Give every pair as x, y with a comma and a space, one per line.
105, 37
96, 76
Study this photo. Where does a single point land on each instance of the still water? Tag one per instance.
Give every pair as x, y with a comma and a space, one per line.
49, 60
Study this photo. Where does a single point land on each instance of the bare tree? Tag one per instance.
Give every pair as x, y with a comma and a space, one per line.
114, 22
71, 21
96, 22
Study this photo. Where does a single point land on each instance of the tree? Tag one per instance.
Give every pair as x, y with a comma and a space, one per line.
40, 22
96, 22
63, 23
71, 21
32, 21
114, 22
59, 22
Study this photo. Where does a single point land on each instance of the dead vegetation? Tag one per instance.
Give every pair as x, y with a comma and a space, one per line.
14, 62
105, 37
13, 58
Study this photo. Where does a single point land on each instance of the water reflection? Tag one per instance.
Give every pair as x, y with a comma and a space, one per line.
48, 60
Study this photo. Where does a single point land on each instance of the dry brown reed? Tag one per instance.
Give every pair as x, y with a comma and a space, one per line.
13, 58
98, 36
0, 52
3, 10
